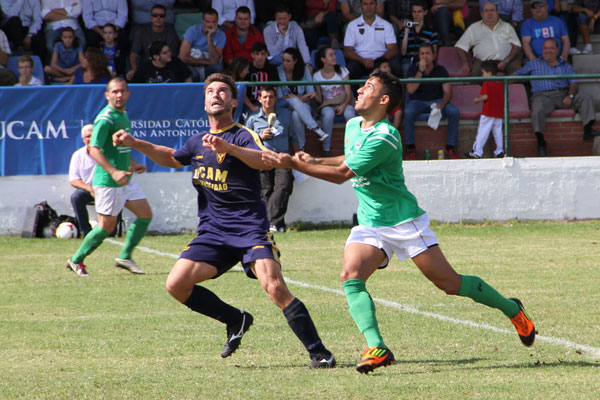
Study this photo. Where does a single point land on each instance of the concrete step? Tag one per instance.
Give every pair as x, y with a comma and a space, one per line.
586, 63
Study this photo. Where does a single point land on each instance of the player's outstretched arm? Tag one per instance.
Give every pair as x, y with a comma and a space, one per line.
331, 173
250, 157
161, 155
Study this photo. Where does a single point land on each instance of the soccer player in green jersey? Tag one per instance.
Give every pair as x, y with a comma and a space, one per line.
112, 184
390, 219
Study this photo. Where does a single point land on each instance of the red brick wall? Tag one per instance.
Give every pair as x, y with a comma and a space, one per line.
564, 138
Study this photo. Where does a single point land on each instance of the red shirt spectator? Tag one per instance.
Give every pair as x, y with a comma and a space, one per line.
494, 105
233, 46
313, 7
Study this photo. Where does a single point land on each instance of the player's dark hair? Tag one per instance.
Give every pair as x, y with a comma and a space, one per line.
321, 54
156, 47
226, 79
243, 10
299, 66
490, 66
391, 87
117, 79
258, 47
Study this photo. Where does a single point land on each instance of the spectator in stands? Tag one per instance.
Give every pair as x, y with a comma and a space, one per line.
113, 51
395, 117
265, 9
98, 13
510, 11
351, 9
321, 19
81, 172
66, 57
443, 12
238, 69
541, 26
7, 77
415, 32
163, 68
398, 12
565, 12
272, 123
334, 100
588, 14
240, 38
59, 14
491, 39
425, 96
141, 11
492, 97
283, 33
550, 95
227, 11
93, 69
368, 38
148, 34
22, 22
202, 47
297, 97
260, 71
26, 78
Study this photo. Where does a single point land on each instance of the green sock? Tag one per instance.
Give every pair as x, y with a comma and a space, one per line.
135, 233
92, 240
476, 288
362, 310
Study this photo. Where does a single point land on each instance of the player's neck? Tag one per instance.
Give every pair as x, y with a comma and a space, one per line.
217, 123
370, 119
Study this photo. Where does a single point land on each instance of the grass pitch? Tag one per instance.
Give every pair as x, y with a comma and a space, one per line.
119, 336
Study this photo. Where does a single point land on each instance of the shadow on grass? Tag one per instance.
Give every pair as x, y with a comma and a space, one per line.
353, 365
543, 364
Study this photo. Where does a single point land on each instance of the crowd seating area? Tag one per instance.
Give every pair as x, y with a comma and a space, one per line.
190, 12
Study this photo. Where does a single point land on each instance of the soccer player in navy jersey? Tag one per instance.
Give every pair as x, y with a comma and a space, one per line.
233, 224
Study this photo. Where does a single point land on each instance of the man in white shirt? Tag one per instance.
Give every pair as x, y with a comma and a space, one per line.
22, 23
7, 77
368, 38
491, 39
283, 33
59, 14
81, 172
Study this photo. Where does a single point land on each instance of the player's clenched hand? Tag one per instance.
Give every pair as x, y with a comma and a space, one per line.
302, 156
121, 177
277, 160
215, 143
121, 137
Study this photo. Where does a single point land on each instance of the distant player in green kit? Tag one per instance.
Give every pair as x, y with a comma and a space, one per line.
390, 219
112, 184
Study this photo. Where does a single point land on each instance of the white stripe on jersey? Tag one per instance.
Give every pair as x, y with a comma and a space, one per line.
385, 139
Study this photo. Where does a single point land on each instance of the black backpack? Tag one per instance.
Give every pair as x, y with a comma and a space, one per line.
43, 216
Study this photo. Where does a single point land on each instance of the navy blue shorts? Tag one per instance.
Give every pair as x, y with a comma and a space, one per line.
225, 257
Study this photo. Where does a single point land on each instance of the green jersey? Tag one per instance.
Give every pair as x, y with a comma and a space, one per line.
107, 122
375, 156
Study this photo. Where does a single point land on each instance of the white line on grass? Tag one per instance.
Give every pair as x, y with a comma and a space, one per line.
593, 351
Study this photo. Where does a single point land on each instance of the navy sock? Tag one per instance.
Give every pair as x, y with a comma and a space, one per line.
207, 303
302, 325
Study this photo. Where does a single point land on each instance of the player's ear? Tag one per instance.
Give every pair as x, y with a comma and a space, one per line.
385, 99
234, 102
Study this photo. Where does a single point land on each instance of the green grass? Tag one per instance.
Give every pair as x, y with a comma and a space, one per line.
119, 336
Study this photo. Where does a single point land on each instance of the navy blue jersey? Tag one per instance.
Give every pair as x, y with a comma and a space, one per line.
230, 209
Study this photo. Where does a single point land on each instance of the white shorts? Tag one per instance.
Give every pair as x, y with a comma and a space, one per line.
111, 200
406, 240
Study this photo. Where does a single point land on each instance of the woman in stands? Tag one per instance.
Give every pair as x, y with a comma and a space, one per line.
239, 69
333, 99
297, 97
94, 68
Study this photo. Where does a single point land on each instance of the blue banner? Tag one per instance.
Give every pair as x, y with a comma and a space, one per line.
40, 127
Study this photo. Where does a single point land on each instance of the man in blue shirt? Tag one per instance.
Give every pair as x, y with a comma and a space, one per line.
202, 47
541, 26
552, 94
272, 123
